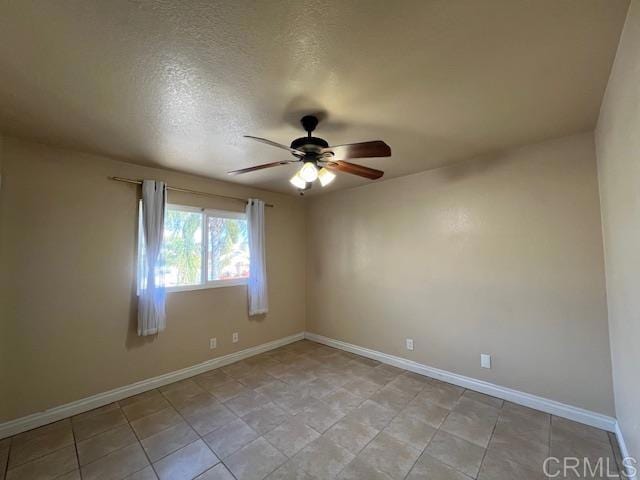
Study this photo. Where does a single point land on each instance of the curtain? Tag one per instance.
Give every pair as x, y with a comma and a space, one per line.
257, 286
151, 313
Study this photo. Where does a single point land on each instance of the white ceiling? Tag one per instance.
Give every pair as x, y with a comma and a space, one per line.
177, 83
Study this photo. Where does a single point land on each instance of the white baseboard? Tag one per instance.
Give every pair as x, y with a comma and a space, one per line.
553, 407
625, 453
38, 419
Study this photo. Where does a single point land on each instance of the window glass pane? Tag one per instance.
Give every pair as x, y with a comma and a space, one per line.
228, 255
182, 247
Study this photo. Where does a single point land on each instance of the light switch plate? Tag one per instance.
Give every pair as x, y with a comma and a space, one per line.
485, 360
234, 337
409, 343
213, 343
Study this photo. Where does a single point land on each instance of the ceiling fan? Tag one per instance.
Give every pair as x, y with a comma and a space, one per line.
320, 161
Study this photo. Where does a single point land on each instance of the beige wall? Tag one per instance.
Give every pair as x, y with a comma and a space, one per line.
68, 246
618, 151
500, 256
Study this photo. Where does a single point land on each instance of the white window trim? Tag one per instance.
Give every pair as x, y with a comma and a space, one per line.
204, 284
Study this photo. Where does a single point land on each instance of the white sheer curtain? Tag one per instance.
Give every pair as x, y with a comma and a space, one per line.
257, 286
151, 297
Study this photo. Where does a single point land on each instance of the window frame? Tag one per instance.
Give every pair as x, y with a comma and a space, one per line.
204, 272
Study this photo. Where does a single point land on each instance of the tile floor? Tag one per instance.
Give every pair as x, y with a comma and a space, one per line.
303, 411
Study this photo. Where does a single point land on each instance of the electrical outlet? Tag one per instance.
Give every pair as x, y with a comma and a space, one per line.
213, 343
409, 343
234, 337
485, 360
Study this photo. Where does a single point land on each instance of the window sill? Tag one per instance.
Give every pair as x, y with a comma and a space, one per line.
213, 284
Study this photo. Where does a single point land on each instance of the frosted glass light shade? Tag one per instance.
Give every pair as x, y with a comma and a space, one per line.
297, 181
308, 172
325, 177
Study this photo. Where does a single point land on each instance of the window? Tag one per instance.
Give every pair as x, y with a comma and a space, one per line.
201, 249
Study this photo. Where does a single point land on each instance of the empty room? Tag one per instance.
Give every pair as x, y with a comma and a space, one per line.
319, 239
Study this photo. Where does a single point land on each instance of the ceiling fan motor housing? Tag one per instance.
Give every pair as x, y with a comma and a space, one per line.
309, 144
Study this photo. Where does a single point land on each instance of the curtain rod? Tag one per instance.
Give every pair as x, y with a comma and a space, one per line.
186, 190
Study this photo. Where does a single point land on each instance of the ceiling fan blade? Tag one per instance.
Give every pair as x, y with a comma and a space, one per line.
375, 148
299, 153
260, 167
352, 168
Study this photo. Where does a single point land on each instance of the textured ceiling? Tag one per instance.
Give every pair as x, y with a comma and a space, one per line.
177, 83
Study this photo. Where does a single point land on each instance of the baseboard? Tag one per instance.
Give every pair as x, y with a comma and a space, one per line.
624, 452
38, 419
553, 407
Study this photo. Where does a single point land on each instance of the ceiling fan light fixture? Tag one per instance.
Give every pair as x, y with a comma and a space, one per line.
308, 172
325, 177
297, 181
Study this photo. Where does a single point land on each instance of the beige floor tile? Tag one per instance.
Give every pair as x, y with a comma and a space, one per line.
361, 387
351, 435
408, 384
291, 436
228, 390
475, 429
430, 468
358, 469
342, 399
139, 397
290, 471
237, 369
256, 379
246, 402
30, 435
408, 429
496, 467
323, 458
372, 414
523, 428
255, 460
296, 376
578, 430
104, 443
440, 395
523, 450
229, 438
168, 441
211, 380
392, 398
145, 407
75, 475
273, 388
219, 472
317, 388
186, 463
321, 416
96, 411
460, 454
483, 398
4, 460
390, 455
180, 393
265, 418
513, 411
55, 464
156, 422
210, 418
88, 427
146, 473
469, 407
427, 412
118, 464
375, 418
38, 446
